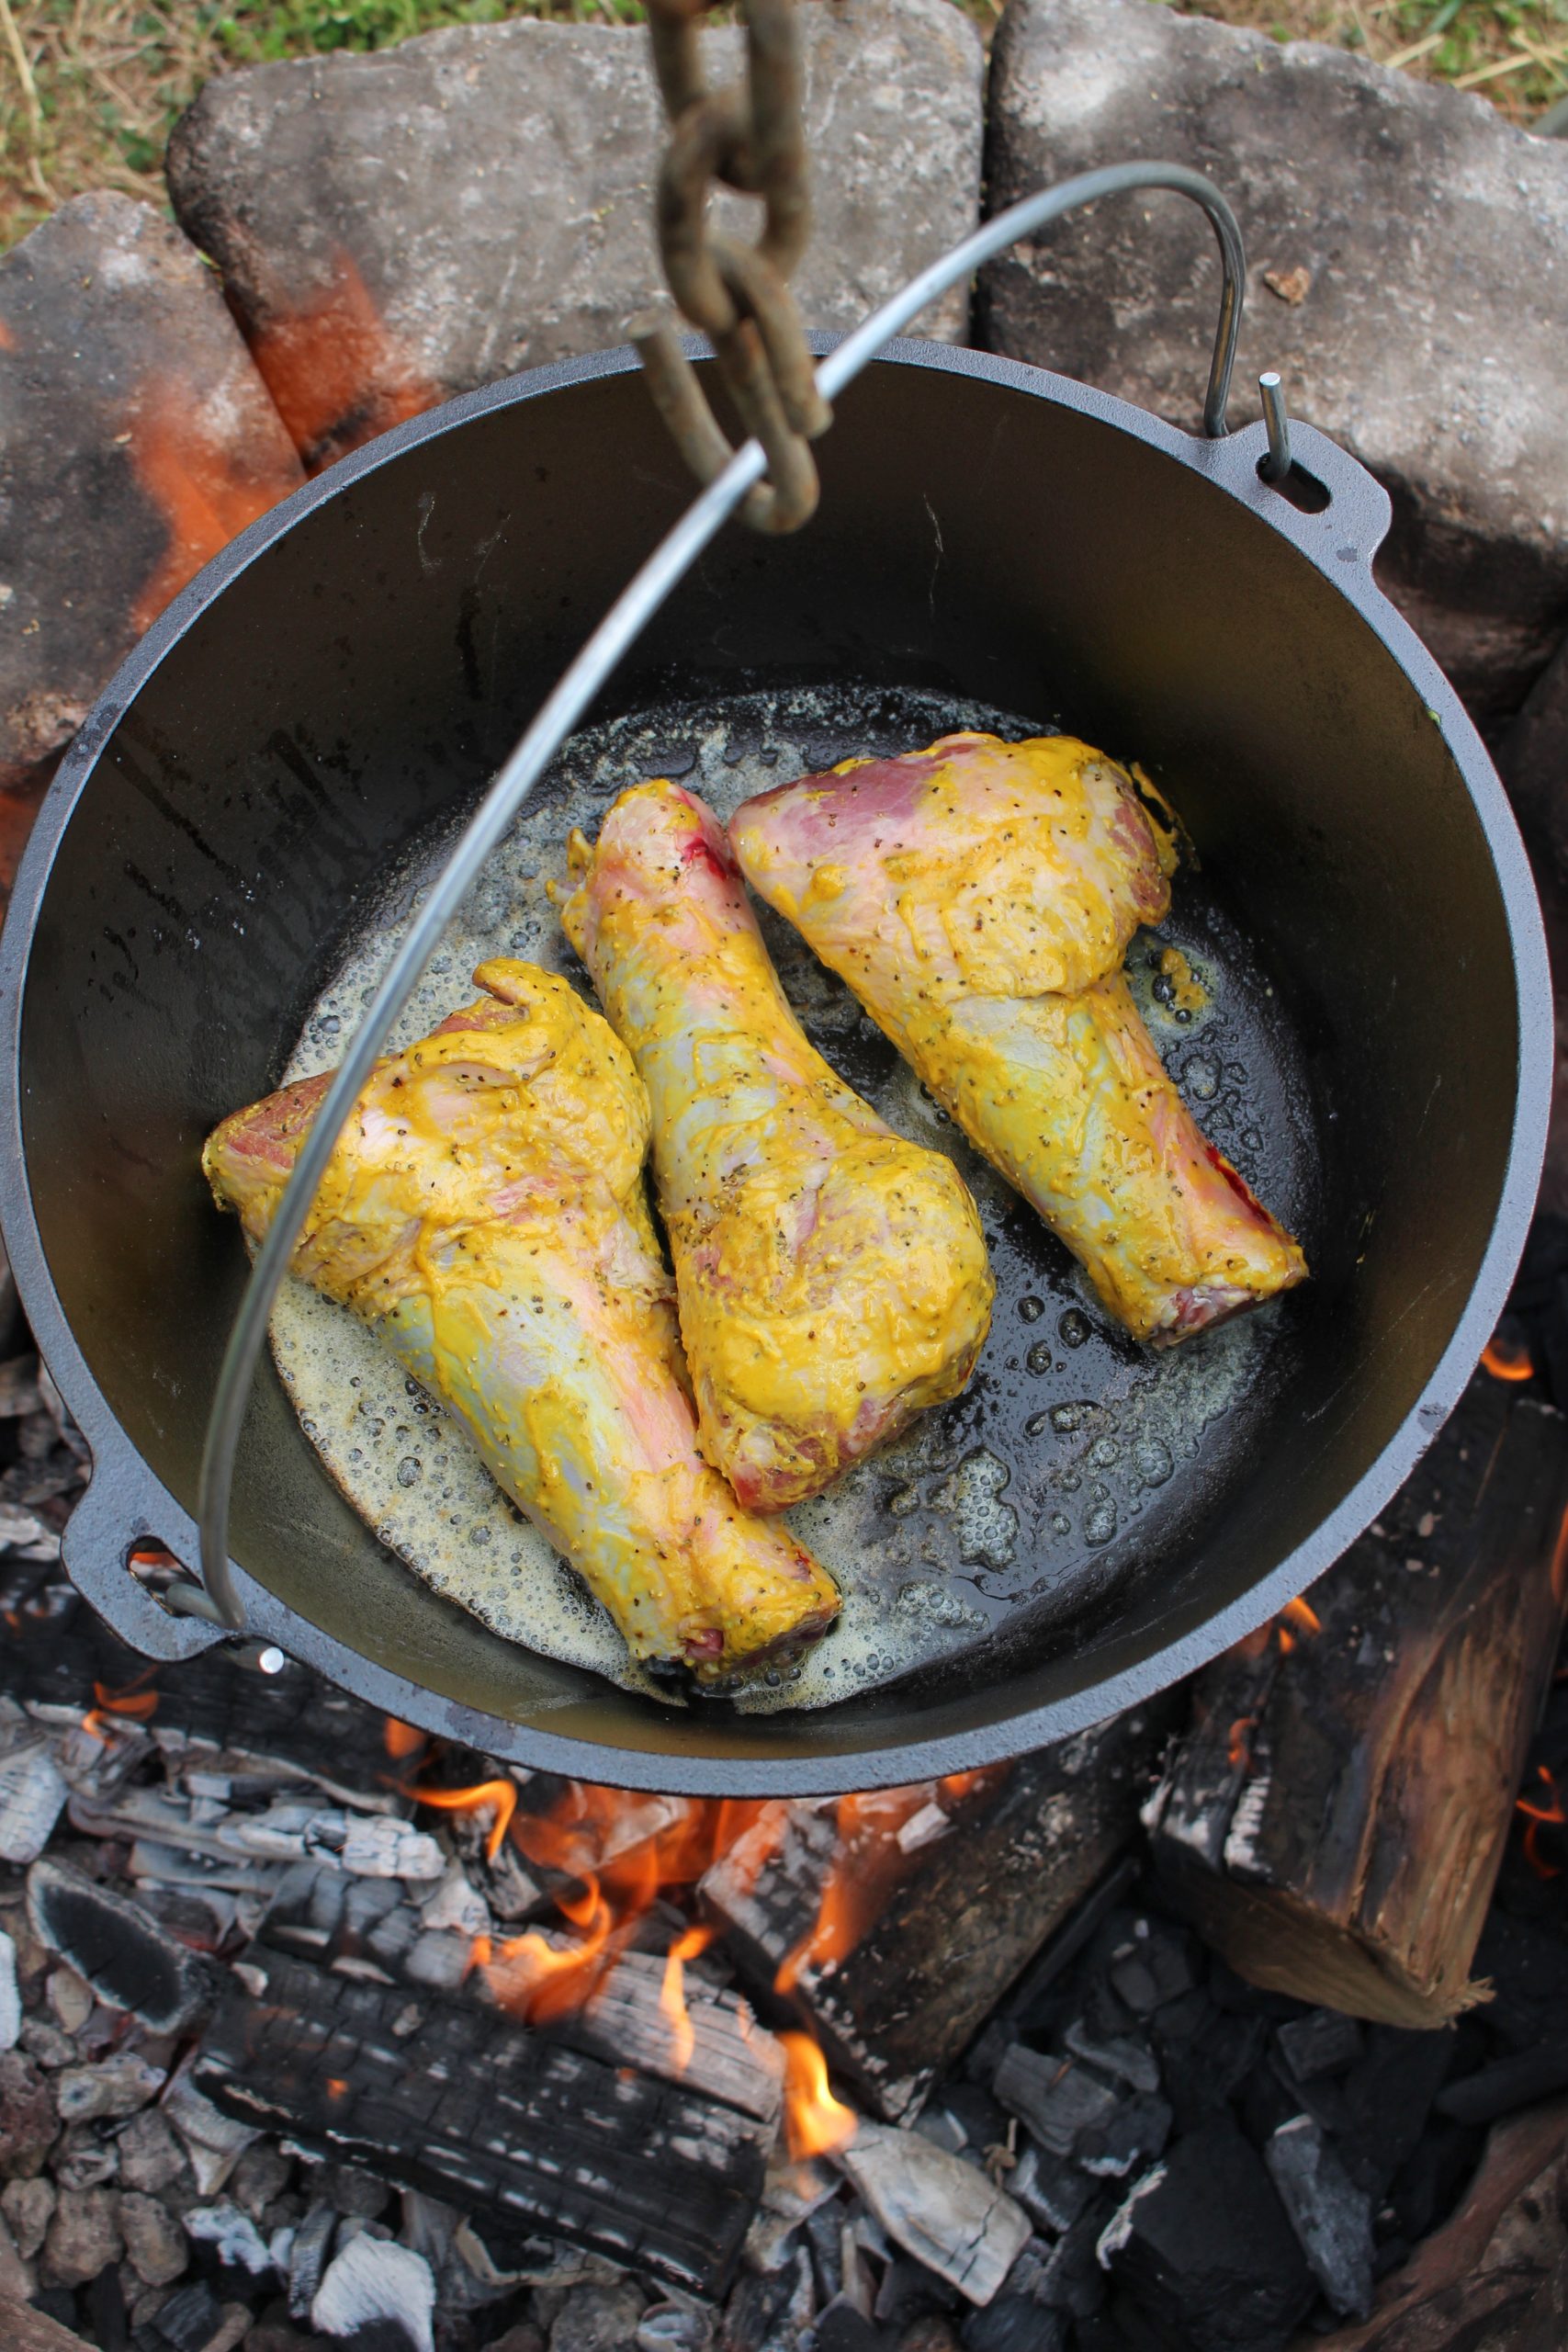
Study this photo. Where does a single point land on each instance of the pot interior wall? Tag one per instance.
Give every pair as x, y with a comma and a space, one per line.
360, 679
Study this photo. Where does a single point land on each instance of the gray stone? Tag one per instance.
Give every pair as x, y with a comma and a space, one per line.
154, 2243
262, 2173
116, 2086
29, 2207
1331, 2216
83, 2236
150, 2156
18, 2277
10, 1995
396, 228
598, 2319
1431, 314
135, 439
81, 2159
28, 2125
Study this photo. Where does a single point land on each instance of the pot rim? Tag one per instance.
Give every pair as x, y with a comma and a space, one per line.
126, 1496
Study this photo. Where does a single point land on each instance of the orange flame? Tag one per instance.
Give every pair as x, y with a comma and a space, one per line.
499, 1797
672, 1993
134, 1703
1505, 1361
402, 1739
1302, 1616
1238, 1747
867, 1863
1549, 1813
815, 2121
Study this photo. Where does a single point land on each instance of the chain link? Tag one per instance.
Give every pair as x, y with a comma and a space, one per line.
738, 295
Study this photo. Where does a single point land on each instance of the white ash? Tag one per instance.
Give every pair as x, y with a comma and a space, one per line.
10, 1994
373, 2279
943, 2212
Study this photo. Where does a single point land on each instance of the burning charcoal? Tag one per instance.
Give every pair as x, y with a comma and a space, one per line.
83, 2236
154, 2243
441, 1961
1323, 2042
1332, 2219
353, 2190
1131, 2061
29, 2207
509, 1891
1203, 2239
1068, 2278
1054, 2097
1132, 2136
28, 2125
456, 1905
1051, 2191
261, 2175
309, 2255
943, 2129
898, 2006
1015, 2324
130, 1962
940, 2209
32, 1796
1525, 1963
191, 2318
238, 2242
116, 2086
927, 2335
25, 1537
1509, 2083
1391, 2094
374, 2279
667, 2327
214, 2142
842, 2328
1203, 2071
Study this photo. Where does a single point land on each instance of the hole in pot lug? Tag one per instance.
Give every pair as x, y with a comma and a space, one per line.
1304, 490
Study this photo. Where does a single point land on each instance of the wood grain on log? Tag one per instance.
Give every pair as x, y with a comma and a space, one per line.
1335, 1819
945, 1920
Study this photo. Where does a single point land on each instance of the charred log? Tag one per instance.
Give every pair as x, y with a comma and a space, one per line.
1334, 1820
898, 1940
488, 2115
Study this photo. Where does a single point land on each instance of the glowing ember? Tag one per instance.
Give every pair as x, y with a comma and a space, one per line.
815, 2121
1302, 1616
499, 1797
672, 1993
402, 1739
866, 1865
1506, 1360
1545, 1810
1238, 1747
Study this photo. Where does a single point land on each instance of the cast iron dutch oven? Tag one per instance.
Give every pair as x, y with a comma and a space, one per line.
346, 677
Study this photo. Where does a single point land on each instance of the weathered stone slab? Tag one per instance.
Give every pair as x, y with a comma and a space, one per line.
1421, 249
136, 438
396, 228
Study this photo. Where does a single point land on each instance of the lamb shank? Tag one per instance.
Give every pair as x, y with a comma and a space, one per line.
484, 1213
979, 898
832, 1276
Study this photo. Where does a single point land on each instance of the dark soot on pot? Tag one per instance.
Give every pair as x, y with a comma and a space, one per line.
1075, 1462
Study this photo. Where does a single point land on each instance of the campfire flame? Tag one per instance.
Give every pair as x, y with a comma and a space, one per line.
134, 1703
1543, 1811
815, 2121
672, 1995
865, 1865
1238, 1744
498, 1797
402, 1739
1506, 1360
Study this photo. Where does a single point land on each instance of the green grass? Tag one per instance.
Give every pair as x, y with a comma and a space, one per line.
89, 88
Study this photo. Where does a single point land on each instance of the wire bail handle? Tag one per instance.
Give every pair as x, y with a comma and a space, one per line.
752, 139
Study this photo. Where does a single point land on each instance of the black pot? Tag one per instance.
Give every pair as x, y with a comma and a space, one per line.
351, 670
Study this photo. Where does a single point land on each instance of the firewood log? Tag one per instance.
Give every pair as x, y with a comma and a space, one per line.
1334, 1820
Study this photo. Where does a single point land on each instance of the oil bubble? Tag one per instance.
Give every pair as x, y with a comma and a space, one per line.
1037, 1424
1031, 1309
1072, 1416
1105, 1453
1099, 1522
1060, 1523
1200, 1078
1151, 1458
907, 1500
1075, 1328
410, 1473
1039, 1356
986, 1527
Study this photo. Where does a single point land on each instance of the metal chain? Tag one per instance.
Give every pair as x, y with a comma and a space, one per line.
737, 295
